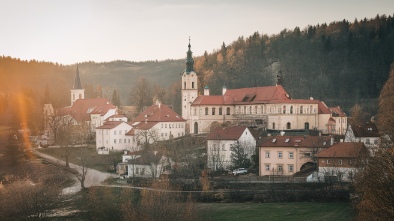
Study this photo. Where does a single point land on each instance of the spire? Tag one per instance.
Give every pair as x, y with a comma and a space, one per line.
77, 81
189, 60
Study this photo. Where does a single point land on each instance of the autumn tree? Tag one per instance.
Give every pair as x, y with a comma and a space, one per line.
374, 187
141, 94
385, 120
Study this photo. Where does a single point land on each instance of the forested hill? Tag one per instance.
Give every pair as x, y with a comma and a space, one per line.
16, 74
346, 60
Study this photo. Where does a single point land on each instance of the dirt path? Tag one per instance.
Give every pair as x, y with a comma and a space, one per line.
93, 177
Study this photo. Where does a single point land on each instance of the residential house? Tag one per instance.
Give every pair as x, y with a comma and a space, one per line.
367, 133
149, 165
157, 122
340, 161
286, 155
220, 142
112, 136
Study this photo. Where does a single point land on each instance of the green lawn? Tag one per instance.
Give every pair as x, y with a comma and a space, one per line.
276, 211
95, 161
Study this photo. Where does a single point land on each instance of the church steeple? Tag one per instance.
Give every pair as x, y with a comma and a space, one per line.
77, 92
77, 81
189, 60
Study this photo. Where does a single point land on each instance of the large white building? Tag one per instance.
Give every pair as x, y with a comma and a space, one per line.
269, 107
158, 122
222, 139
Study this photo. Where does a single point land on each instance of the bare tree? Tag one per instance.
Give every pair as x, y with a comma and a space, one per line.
147, 137
141, 94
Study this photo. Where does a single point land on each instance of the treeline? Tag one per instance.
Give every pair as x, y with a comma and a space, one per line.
346, 60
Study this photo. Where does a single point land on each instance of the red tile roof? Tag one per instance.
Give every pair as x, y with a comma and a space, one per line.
110, 124
337, 112
368, 129
297, 141
323, 109
158, 113
213, 100
347, 149
144, 125
82, 108
227, 133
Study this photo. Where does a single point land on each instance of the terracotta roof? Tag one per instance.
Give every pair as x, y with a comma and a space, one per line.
213, 100
144, 125
226, 133
110, 124
295, 101
367, 129
82, 108
131, 132
337, 112
158, 113
116, 116
346, 149
297, 141
323, 109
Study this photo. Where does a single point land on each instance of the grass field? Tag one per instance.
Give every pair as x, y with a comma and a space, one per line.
276, 211
95, 161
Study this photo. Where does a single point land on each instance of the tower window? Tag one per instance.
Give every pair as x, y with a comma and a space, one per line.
193, 85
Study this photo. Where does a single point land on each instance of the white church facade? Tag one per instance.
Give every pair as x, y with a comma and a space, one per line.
268, 107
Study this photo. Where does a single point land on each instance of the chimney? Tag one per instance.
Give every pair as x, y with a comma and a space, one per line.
224, 89
310, 98
206, 91
341, 140
282, 133
331, 141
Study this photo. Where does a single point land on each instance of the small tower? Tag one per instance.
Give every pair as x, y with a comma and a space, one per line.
189, 85
77, 92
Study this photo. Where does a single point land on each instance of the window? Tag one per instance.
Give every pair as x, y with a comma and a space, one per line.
137, 171
114, 140
213, 111
307, 154
291, 155
273, 126
220, 111
267, 154
328, 161
120, 140
142, 171
267, 167
340, 162
291, 109
129, 140
120, 132
184, 85
280, 155
125, 141
306, 126
288, 125
228, 111
291, 168
280, 168
162, 134
223, 147
114, 132
192, 84
284, 109
165, 125
206, 111
250, 110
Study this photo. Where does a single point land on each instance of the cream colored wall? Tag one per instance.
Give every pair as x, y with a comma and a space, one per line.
297, 161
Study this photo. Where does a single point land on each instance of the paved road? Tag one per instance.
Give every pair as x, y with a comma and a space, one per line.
93, 177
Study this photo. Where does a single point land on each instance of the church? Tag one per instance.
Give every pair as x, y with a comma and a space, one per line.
268, 107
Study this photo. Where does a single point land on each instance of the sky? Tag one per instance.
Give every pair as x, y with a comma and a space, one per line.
74, 31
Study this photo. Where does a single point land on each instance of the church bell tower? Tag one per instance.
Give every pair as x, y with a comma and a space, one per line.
189, 86
77, 92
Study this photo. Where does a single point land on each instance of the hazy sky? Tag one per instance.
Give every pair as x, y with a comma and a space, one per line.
71, 31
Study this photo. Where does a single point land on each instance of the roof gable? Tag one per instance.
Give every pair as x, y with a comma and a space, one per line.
227, 133
344, 150
158, 113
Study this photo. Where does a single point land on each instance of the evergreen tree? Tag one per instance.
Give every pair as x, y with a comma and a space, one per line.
386, 107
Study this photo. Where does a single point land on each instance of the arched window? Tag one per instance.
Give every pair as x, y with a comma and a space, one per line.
195, 128
220, 110
228, 111
306, 126
192, 84
284, 109
301, 110
184, 85
250, 110
213, 111
288, 126
206, 111
291, 109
